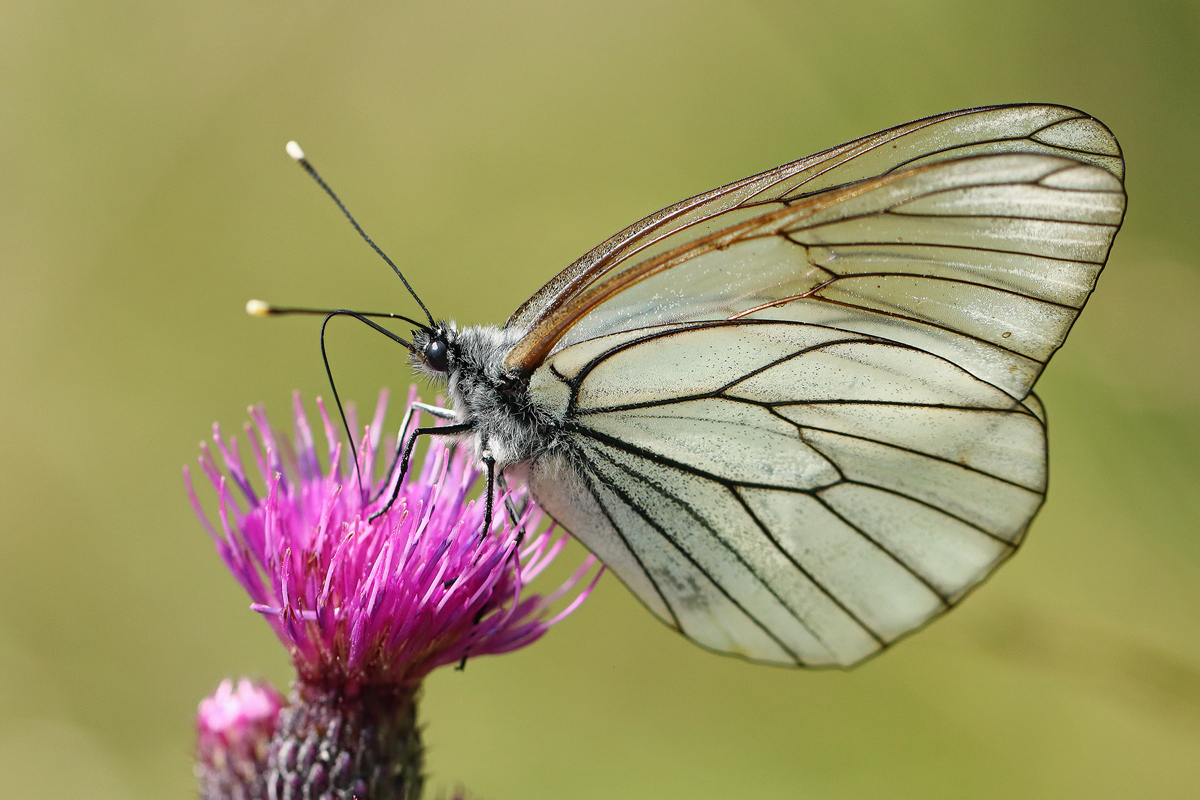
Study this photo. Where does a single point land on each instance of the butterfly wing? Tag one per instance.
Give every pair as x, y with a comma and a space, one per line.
789, 492
1054, 130
985, 260
801, 437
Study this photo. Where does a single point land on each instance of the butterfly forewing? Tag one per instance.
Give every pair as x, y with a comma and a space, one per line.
933, 256
989, 130
803, 435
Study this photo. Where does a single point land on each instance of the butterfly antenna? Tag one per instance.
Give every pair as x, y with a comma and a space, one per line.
362, 490
297, 154
259, 308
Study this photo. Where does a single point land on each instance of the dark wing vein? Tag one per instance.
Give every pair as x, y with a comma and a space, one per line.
918, 276
730, 486
908, 567
590, 477
892, 446
659, 458
932, 245
646, 517
957, 518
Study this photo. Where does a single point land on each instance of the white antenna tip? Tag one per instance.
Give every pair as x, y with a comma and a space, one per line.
257, 308
294, 151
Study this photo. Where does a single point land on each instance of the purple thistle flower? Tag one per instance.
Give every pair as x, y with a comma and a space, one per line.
367, 607
233, 729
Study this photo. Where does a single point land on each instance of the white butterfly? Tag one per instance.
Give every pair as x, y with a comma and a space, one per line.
794, 414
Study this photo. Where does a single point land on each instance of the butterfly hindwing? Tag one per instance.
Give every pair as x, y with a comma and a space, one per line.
847, 490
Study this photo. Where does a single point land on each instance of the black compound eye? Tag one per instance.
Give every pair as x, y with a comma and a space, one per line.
436, 354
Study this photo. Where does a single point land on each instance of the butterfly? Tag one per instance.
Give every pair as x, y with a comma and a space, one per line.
794, 414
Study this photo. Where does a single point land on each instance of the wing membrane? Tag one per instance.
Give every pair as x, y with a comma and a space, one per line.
1050, 130
800, 496
985, 261
797, 417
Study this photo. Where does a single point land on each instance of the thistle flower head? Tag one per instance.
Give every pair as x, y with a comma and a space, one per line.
362, 602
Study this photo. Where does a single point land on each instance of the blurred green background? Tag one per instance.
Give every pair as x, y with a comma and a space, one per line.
145, 196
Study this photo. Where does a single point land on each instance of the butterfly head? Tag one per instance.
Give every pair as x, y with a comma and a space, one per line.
434, 350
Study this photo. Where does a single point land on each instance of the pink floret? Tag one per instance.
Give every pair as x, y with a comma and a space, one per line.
236, 723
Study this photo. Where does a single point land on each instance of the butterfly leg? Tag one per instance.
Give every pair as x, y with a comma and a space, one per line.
462, 664
514, 514
489, 462
391, 470
496, 482
402, 470
436, 411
